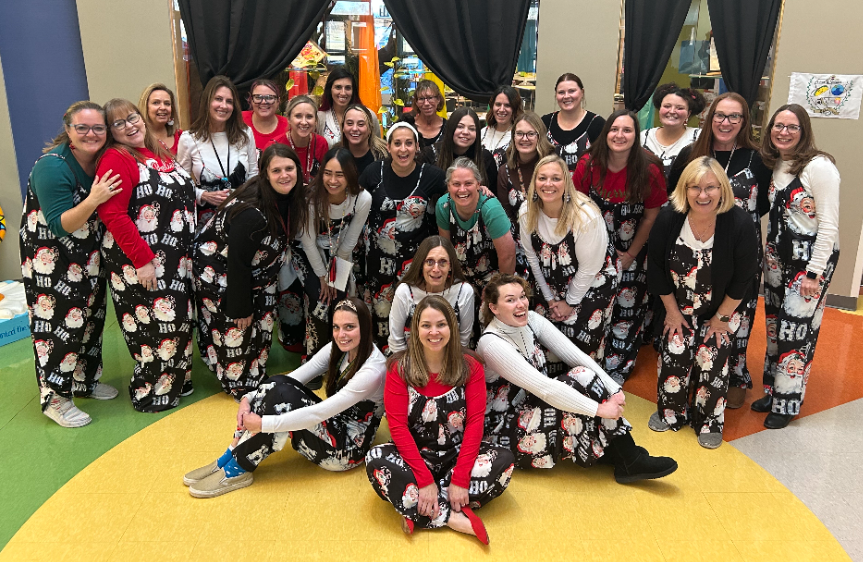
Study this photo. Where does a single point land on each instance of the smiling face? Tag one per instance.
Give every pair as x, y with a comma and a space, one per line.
302, 120
334, 180
434, 332
436, 270
159, 109
511, 306
427, 101
222, 106
674, 111
91, 142
621, 135
463, 189
356, 129
784, 140
282, 174
402, 147
526, 139
346, 330
703, 198
128, 129
502, 110
726, 132
343, 92
465, 134
569, 95
550, 183
264, 105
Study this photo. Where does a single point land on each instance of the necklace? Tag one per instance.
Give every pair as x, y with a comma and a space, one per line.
226, 181
494, 139
701, 235
331, 266
307, 169
730, 156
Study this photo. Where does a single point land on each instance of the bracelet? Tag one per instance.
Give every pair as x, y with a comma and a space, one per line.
811, 275
628, 254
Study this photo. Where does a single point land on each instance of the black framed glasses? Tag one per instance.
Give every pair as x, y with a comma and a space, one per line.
733, 118
120, 124
793, 129
526, 135
82, 129
443, 264
264, 98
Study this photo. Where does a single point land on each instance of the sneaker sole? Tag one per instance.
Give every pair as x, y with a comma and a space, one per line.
81, 423
645, 476
192, 481
187, 393
221, 491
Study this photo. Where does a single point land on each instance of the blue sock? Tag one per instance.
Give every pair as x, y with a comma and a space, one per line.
226, 457
233, 469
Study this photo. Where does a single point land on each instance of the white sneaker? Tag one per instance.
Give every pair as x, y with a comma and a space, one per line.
65, 413
103, 391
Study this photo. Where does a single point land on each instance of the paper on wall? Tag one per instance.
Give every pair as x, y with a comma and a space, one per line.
832, 96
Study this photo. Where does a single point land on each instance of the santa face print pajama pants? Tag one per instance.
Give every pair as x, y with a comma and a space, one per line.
437, 426
157, 325
339, 443
65, 289
539, 435
793, 321
292, 275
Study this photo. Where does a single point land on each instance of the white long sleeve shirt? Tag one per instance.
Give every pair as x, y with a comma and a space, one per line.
591, 244
460, 294
199, 159
366, 384
504, 348
315, 246
821, 179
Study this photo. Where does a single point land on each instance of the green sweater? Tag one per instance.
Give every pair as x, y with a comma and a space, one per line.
55, 185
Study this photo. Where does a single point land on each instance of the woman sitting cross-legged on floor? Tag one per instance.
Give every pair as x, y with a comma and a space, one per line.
542, 420
335, 433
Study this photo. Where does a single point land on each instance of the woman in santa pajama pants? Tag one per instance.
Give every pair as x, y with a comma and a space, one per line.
800, 257
147, 252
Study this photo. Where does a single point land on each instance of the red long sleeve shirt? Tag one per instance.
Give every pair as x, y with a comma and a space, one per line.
396, 405
614, 186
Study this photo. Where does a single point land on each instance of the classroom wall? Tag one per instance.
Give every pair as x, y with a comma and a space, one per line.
10, 192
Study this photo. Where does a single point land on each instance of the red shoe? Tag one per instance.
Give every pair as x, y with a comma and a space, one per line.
407, 526
477, 525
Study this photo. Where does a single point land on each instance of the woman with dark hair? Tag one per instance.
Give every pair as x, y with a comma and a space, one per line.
427, 102
435, 270
218, 150
236, 262
505, 108
437, 469
800, 257
340, 91
339, 209
702, 259
675, 106
359, 138
572, 263
402, 192
726, 136
334, 433
263, 119
147, 253
543, 420
59, 242
461, 138
476, 224
572, 129
158, 107
627, 184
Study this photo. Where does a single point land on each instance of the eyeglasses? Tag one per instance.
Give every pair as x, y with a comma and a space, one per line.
793, 129
120, 124
528, 135
709, 190
442, 264
264, 98
733, 118
84, 129
430, 99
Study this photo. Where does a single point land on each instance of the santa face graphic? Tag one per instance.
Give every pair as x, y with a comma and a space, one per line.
146, 355
45, 260
386, 238
75, 318
163, 309
411, 496
142, 313
143, 391
167, 349
595, 320
117, 282
532, 443
792, 374
82, 232
164, 384
27, 268
268, 322
482, 465
409, 216
32, 220
455, 421
627, 230
130, 275
429, 413
208, 248
234, 371
129, 323
108, 240
94, 264
44, 308
75, 273
43, 351
626, 297
208, 303
704, 357
208, 275
177, 221
148, 216
233, 337
68, 363
671, 385
676, 345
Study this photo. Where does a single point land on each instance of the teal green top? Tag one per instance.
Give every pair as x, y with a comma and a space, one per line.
55, 185
493, 215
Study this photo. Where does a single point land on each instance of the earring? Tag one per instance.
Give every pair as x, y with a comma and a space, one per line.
535, 196
567, 198
171, 123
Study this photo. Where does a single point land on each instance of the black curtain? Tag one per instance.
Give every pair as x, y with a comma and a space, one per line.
743, 32
472, 45
248, 39
652, 29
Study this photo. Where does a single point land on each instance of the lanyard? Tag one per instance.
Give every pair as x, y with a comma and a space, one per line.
226, 182
307, 170
730, 156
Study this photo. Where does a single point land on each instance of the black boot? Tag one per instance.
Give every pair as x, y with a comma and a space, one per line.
763, 404
633, 463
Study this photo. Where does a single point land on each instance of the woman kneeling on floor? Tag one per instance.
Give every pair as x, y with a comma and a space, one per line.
437, 469
335, 433
542, 420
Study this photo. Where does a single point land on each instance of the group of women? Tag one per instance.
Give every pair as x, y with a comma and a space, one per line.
441, 238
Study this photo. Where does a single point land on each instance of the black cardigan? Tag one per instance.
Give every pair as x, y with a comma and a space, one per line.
735, 257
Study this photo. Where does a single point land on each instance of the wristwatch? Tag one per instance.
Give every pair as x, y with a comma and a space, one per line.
722, 317
811, 275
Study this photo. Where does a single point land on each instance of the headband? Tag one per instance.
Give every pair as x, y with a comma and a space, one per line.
346, 304
402, 125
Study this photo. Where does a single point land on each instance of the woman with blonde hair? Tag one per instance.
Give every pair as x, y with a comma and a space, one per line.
437, 469
303, 137
703, 255
147, 252
158, 107
358, 136
571, 261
